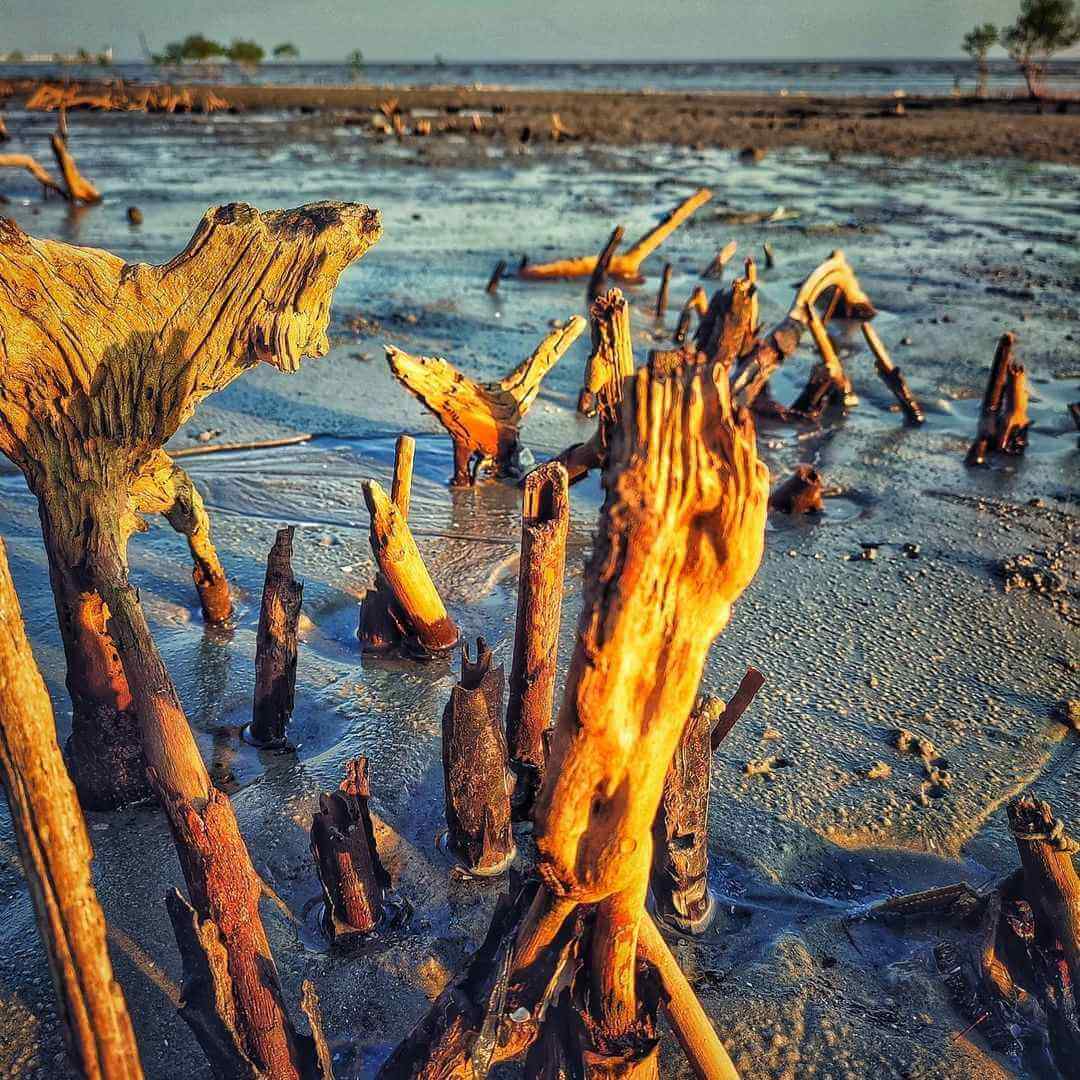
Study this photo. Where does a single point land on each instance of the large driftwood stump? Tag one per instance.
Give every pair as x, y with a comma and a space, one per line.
545, 521
476, 769
626, 266
276, 645
100, 363
354, 881
483, 419
55, 852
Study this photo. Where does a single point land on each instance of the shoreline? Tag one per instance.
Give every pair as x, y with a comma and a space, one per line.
889, 125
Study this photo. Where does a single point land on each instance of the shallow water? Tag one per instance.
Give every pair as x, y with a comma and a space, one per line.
823, 76
951, 253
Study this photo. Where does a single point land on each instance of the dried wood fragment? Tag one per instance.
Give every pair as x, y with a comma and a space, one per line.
483, 419
354, 881
55, 852
80, 191
276, 645
476, 768
715, 269
770, 255
545, 520
35, 169
840, 384
626, 266
1003, 418
100, 363
603, 262
892, 376
1074, 412
726, 330
496, 277
415, 597
800, 493
662, 294
740, 701
4, 136
382, 625
612, 357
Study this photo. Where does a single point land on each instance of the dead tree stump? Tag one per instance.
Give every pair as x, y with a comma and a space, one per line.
55, 852
545, 520
892, 376
1003, 418
354, 881
800, 493
598, 278
141, 347
482, 419
476, 768
276, 645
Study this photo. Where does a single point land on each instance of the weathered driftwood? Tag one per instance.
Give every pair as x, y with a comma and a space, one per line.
892, 376
715, 269
726, 331
680, 867
383, 626
100, 363
4, 136
424, 619
800, 493
829, 383
598, 278
35, 169
834, 281
55, 853
354, 881
545, 520
116, 96
626, 266
662, 293
1003, 418
476, 769
770, 255
483, 419
80, 191
276, 645
612, 357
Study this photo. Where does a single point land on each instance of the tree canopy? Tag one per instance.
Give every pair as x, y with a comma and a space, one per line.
980, 40
286, 51
1042, 28
246, 52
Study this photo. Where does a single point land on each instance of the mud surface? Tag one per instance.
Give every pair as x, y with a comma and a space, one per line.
926, 640
899, 127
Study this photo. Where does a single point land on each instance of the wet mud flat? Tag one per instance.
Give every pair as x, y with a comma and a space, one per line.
921, 636
890, 126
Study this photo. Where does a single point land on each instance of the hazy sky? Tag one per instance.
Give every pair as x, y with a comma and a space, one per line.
513, 29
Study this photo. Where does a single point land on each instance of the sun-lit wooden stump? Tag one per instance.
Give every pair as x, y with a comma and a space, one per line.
800, 493
100, 364
545, 521
1003, 418
483, 419
611, 358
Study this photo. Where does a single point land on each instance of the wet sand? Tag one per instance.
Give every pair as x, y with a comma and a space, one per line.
853, 648
941, 127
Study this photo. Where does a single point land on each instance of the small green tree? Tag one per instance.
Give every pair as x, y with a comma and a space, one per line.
1042, 28
977, 43
246, 52
15, 56
355, 60
286, 51
197, 47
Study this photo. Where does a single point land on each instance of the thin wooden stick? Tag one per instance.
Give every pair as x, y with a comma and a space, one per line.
715, 269
496, 277
81, 191
276, 645
401, 485
603, 262
892, 376
55, 852
545, 520
704, 1051
662, 295
35, 169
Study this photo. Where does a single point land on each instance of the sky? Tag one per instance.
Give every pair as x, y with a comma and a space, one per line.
514, 29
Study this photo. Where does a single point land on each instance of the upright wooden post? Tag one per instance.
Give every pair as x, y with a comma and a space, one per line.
352, 875
276, 645
55, 852
476, 770
545, 519
662, 294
